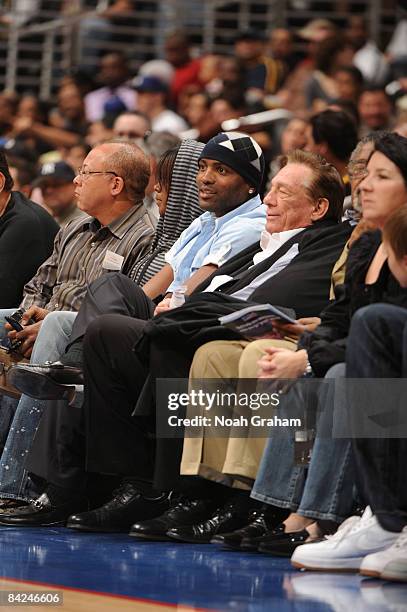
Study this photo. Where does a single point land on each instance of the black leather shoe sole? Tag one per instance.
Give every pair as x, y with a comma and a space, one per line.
41, 518
187, 540
150, 537
98, 529
33, 523
39, 385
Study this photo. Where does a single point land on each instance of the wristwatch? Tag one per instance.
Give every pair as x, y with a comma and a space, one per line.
308, 370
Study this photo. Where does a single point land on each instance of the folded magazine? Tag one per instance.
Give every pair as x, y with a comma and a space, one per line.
257, 320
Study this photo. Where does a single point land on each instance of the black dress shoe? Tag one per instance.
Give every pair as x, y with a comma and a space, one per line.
49, 381
284, 544
9, 505
42, 513
251, 544
261, 521
129, 504
182, 512
225, 519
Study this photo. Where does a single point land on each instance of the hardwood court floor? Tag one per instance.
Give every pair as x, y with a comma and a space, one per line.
100, 572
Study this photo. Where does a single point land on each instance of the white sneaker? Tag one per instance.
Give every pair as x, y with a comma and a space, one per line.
389, 564
345, 550
373, 565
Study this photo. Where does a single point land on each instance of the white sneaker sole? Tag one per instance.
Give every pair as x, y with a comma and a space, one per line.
370, 572
320, 565
394, 572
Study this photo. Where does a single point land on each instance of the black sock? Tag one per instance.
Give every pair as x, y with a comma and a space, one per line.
59, 495
143, 486
195, 487
279, 513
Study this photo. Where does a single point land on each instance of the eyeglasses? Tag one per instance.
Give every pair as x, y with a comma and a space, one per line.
357, 169
83, 172
134, 135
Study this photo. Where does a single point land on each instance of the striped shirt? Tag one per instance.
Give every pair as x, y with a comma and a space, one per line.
78, 258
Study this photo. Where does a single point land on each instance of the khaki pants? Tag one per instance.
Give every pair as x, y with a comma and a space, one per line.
231, 461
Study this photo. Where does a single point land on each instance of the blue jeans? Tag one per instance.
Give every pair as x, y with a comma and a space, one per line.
50, 345
326, 491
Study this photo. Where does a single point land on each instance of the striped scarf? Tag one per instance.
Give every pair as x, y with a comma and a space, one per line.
182, 209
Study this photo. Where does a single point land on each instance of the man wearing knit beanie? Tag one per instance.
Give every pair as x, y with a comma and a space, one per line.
230, 174
240, 152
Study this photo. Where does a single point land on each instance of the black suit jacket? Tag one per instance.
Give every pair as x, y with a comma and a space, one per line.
302, 285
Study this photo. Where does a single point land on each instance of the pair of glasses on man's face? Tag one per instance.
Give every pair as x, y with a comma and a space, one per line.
357, 169
84, 172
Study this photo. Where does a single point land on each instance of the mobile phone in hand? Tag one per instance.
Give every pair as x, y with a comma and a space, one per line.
16, 325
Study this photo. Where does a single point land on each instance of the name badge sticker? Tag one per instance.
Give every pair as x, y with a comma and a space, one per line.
112, 261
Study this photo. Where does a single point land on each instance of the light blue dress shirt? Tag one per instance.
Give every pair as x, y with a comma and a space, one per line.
214, 240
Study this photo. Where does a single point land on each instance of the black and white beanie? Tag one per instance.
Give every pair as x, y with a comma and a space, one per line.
238, 151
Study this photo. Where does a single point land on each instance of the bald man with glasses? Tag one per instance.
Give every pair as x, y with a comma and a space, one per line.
109, 188
116, 232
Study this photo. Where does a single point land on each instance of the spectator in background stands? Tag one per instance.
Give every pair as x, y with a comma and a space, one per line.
293, 136
23, 174
333, 135
228, 106
187, 70
30, 111
291, 96
58, 191
232, 105
114, 93
321, 89
368, 58
31, 127
375, 110
199, 117
132, 125
348, 82
98, 132
229, 76
74, 156
97, 32
152, 101
159, 68
263, 75
7, 111
70, 112
281, 48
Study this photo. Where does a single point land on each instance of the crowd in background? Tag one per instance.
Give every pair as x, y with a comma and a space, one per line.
188, 96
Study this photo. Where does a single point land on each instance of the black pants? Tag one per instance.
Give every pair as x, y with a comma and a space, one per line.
101, 436
377, 348
112, 293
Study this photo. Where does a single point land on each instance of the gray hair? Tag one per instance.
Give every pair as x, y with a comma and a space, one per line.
159, 142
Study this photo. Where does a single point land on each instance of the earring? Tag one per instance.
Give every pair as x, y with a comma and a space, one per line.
251, 190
